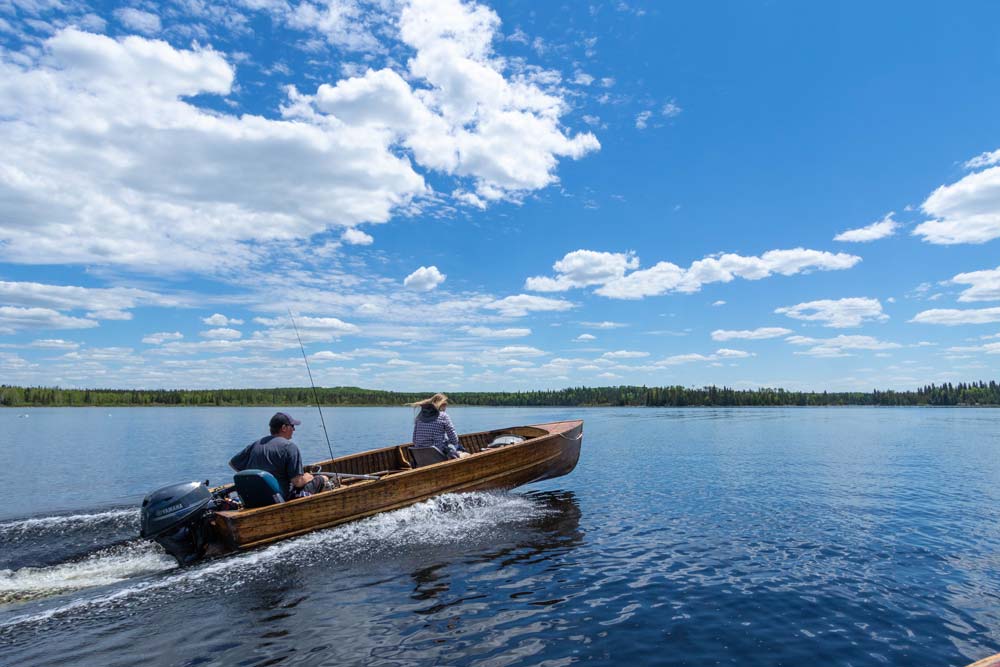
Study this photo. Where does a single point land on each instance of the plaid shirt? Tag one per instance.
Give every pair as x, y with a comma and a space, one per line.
438, 433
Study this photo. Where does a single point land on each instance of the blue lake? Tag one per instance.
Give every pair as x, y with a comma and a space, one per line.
836, 536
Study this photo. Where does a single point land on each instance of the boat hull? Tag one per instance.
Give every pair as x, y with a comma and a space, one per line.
551, 450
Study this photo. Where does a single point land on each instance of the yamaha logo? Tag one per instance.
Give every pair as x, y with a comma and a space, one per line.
168, 510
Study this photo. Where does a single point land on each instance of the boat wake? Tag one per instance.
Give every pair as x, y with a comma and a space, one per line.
104, 567
140, 569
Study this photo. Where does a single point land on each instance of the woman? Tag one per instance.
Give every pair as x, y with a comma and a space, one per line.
433, 428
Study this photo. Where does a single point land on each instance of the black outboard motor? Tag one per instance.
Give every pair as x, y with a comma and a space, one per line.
176, 517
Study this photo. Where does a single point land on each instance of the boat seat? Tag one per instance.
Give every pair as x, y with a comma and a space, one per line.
425, 456
257, 488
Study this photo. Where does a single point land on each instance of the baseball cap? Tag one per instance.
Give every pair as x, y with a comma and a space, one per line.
280, 419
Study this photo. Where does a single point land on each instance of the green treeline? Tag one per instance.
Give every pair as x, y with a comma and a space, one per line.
975, 393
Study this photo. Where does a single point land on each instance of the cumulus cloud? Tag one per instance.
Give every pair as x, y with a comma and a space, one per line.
720, 354
582, 268
877, 230
983, 285
424, 279
354, 236
642, 120
14, 319
584, 338
671, 109
839, 313
522, 304
604, 324
720, 302
100, 303
55, 344
608, 270
220, 320
138, 20
839, 345
221, 334
967, 211
749, 334
486, 332
106, 137
162, 337
957, 316
625, 354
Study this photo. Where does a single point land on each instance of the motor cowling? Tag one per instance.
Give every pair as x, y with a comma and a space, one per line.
175, 517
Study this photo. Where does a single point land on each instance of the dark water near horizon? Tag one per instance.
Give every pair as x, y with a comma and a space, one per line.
776, 536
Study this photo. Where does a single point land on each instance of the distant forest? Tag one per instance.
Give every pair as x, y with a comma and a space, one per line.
975, 393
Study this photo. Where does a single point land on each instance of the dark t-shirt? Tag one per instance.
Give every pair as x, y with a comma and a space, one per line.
274, 454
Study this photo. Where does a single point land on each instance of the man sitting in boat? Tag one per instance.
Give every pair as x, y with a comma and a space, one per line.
278, 455
433, 428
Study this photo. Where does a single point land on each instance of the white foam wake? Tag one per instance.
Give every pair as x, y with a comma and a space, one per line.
61, 522
102, 568
442, 520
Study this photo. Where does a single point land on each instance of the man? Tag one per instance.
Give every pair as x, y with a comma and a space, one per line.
278, 455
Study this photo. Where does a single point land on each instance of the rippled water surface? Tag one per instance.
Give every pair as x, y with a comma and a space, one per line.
843, 536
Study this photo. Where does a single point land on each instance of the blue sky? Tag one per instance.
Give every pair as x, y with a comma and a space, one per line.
469, 196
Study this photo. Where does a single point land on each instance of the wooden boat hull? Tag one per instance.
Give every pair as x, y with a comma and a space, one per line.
550, 450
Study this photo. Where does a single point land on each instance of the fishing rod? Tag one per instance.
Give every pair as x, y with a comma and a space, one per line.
315, 394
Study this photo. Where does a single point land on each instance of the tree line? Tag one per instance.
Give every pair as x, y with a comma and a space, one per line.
972, 393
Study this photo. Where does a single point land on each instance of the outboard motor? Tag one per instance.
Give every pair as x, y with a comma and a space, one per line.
176, 517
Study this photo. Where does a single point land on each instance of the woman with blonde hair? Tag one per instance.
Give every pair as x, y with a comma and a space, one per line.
433, 428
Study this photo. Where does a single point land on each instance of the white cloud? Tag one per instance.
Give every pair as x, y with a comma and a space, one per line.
987, 159
55, 344
519, 351
954, 316
105, 137
671, 109
162, 337
220, 320
625, 354
985, 285
486, 332
522, 304
17, 319
727, 353
605, 324
424, 279
101, 303
967, 211
583, 338
838, 346
720, 302
988, 348
750, 334
138, 20
877, 230
722, 353
667, 277
642, 119
839, 313
221, 334
327, 355
354, 236
581, 268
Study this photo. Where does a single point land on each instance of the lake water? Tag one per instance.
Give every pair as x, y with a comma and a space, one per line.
837, 536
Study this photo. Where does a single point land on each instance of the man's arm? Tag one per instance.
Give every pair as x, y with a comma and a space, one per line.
295, 473
239, 462
301, 480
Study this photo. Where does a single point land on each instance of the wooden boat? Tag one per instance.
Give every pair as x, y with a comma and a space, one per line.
375, 481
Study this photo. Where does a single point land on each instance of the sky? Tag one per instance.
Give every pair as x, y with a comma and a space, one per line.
460, 196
